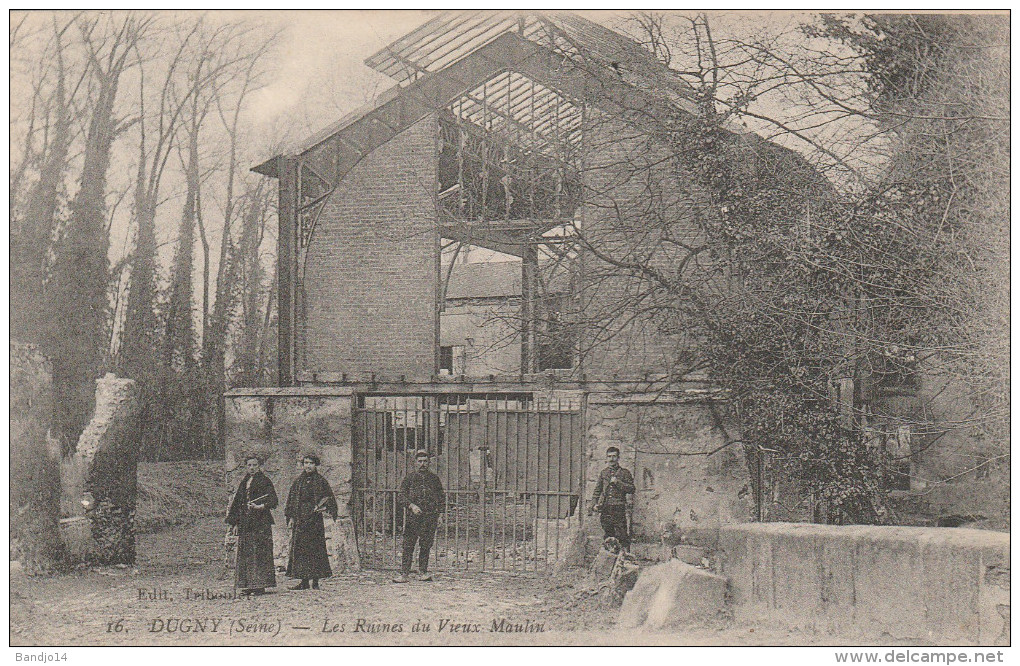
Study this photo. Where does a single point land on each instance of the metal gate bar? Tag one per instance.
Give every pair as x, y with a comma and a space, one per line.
476, 442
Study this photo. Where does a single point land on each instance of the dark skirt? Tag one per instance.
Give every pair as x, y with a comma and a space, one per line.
255, 568
308, 556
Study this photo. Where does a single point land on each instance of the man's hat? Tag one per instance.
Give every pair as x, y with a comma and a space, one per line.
421, 453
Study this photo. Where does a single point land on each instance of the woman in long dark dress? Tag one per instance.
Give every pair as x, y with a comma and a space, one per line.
250, 516
309, 499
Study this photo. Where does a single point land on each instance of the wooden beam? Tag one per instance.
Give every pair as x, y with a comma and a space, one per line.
500, 243
507, 225
287, 245
529, 280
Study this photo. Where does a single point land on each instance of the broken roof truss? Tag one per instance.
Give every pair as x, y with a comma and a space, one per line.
524, 111
455, 34
519, 78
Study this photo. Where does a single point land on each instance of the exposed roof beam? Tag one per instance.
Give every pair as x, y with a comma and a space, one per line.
497, 242
508, 51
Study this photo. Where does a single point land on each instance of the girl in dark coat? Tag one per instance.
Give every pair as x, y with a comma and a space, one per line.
309, 499
250, 516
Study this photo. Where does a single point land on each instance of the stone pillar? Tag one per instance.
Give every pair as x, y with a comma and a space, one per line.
689, 478
99, 480
281, 425
34, 478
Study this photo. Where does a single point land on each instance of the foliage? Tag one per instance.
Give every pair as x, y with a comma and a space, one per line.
113, 530
940, 89
799, 289
112, 99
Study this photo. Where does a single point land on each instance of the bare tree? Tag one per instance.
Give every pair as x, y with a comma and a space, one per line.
255, 292
806, 296
199, 68
238, 84
80, 307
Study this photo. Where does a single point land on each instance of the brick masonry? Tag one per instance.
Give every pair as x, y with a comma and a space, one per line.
370, 281
632, 197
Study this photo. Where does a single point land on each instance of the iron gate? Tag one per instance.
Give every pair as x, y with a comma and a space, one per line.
511, 466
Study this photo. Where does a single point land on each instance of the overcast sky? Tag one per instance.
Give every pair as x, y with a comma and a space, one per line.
328, 49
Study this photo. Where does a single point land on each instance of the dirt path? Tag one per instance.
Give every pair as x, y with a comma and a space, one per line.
175, 596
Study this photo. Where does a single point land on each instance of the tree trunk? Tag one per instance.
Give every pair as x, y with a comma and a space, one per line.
31, 237
79, 304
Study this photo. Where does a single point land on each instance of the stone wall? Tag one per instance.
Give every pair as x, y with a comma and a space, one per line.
942, 585
34, 476
282, 425
687, 478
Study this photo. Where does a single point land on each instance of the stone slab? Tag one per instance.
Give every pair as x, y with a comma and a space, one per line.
941, 585
672, 594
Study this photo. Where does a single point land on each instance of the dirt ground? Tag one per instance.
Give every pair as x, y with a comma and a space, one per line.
154, 604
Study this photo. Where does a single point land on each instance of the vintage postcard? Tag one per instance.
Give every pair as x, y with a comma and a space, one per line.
509, 328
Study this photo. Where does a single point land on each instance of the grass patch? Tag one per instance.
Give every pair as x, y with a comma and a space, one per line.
179, 493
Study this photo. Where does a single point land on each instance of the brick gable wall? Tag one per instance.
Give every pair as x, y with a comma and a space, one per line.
370, 281
632, 195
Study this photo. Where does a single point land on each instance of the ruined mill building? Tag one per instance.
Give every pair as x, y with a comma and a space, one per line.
506, 136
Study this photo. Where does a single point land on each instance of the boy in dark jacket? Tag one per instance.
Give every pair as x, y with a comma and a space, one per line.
422, 496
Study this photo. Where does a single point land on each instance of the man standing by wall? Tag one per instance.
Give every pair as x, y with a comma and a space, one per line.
424, 501
610, 497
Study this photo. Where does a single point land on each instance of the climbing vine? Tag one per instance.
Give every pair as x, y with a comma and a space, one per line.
819, 289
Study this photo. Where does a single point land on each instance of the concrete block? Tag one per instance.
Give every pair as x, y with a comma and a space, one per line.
650, 552
993, 595
672, 594
572, 553
692, 555
888, 584
795, 562
941, 585
763, 583
836, 579
951, 581
603, 565
736, 563
706, 537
